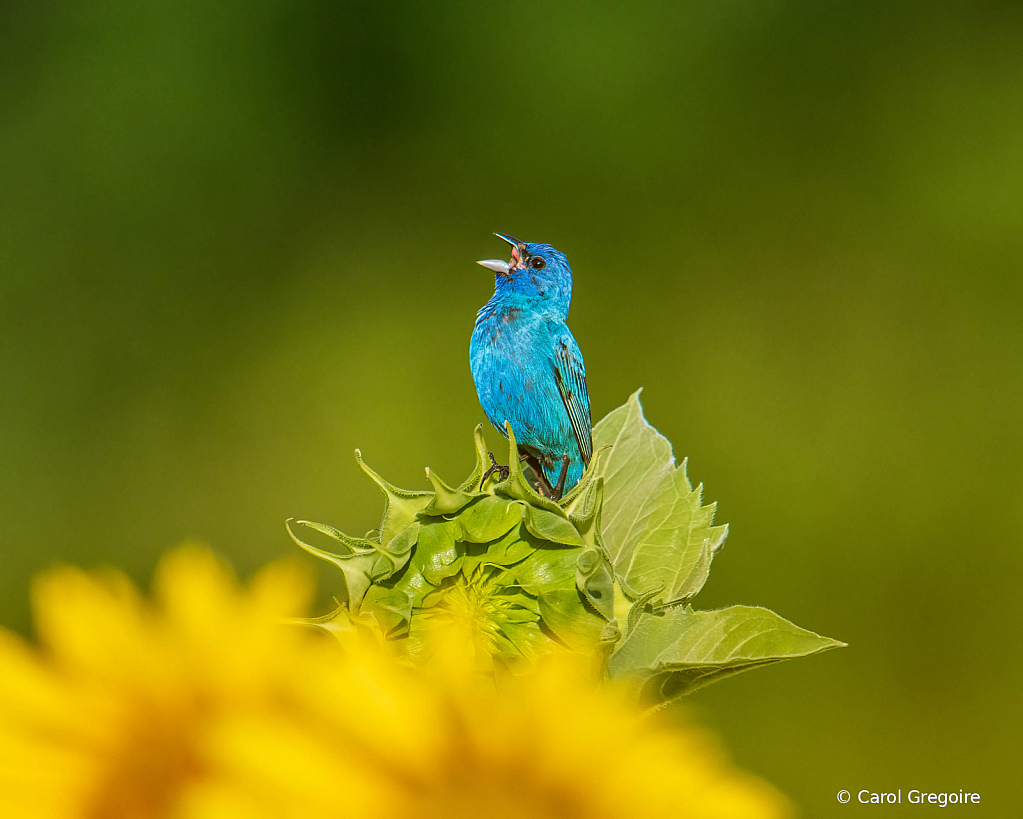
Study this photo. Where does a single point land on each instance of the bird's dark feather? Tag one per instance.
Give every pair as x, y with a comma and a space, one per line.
571, 379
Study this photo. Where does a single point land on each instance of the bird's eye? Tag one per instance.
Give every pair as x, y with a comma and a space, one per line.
537, 263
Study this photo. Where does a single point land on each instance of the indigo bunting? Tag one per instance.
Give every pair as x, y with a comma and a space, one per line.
528, 368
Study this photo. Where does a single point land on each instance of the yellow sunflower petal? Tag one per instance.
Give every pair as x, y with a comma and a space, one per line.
202, 705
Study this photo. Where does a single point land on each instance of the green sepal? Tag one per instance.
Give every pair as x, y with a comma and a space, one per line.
400, 505
505, 551
516, 487
446, 500
545, 525
585, 517
357, 567
437, 557
595, 579
579, 493
547, 567
565, 613
391, 556
354, 545
401, 544
489, 518
471, 484
634, 605
342, 624
391, 607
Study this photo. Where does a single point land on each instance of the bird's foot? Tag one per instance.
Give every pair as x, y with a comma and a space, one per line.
559, 487
543, 489
502, 471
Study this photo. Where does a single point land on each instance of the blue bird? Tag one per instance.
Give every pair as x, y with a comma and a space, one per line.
527, 366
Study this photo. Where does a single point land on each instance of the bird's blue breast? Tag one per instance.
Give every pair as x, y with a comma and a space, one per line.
512, 355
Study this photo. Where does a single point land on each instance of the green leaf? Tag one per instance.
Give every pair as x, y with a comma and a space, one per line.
672, 652
654, 526
400, 505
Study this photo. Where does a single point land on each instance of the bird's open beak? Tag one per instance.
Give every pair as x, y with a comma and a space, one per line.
497, 265
500, 266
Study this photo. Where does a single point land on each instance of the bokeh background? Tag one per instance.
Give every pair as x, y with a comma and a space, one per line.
238, 240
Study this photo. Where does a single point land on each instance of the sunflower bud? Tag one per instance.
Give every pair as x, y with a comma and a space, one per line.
492, 574
490, 566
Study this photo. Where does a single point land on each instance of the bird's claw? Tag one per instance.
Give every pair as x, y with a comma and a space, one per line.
502, 471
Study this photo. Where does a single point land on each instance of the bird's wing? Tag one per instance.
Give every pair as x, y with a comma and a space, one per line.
570, 375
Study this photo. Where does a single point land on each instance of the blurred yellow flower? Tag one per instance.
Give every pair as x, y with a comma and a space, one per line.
201, 705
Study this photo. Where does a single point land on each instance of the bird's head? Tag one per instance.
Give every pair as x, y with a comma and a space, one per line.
535, 272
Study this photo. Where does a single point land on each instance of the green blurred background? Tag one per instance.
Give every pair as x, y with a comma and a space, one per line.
238, 240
